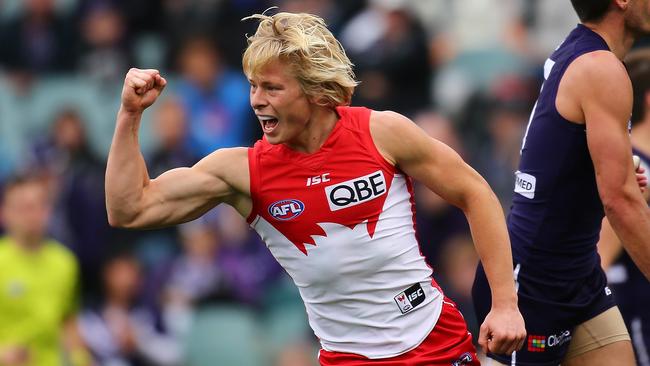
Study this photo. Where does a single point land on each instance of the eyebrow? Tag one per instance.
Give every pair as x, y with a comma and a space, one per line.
266, 83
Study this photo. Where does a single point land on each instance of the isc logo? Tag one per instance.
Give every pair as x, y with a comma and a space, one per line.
410, 298
356, 191
286, 209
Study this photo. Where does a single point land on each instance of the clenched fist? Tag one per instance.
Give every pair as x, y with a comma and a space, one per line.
503, 331
141, 89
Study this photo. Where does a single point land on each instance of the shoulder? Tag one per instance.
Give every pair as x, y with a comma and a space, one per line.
60, 256
389, 123
394, 134
588, 85
234, 158
597, 69
229, 165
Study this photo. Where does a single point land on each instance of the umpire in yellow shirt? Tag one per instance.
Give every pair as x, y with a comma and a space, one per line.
38, 283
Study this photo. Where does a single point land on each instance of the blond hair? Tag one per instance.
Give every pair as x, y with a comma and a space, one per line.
314, 55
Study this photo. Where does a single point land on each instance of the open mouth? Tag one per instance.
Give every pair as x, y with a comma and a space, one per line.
268, 123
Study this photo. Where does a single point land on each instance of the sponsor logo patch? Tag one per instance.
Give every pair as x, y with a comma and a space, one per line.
556, 340
410, 298
536, 343
540, 343
464, 359
356, 191
525, 184
286, 209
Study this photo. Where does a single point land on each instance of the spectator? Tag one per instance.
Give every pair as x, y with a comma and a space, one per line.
380, 41
497, 156
38, 283
456, 273
194, 277
118, 331
105, 48
38, 40
437, 220
215, 98
170, 129
77, 179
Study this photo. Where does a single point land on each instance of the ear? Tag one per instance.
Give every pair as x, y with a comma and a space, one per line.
621, 4
646, 101
319, 100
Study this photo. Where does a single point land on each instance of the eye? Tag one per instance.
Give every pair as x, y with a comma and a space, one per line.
273, 87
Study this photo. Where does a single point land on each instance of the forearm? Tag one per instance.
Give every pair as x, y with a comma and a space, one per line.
126, 172
630, 218
488, 228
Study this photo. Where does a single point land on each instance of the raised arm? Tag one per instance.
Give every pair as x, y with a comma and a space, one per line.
598, 85
133, 200
442, 170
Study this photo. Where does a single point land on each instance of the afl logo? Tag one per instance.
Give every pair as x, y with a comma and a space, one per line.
286, 209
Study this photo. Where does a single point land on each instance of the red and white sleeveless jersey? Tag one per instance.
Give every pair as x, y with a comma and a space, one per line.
341, 223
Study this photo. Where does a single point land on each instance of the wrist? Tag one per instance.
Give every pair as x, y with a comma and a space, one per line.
504, 301
130, 112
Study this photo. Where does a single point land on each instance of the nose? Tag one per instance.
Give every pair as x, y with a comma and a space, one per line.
257, 98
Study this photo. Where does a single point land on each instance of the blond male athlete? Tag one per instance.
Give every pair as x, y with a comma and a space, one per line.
328, 189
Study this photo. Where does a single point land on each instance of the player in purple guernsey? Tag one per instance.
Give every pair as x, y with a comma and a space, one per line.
576, 166
630, 287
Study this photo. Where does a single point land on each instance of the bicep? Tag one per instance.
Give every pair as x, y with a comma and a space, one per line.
606, 121
610, 151
428, 161
183, 194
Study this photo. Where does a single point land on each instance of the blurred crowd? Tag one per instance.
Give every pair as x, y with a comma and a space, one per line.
208, 292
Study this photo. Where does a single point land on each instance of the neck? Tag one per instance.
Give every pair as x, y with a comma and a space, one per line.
117, 302
641, 136
26, 242
617, 35
320, 125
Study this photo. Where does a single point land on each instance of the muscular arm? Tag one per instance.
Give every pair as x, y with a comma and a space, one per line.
609, 245
599, 85
443, 171
179, 195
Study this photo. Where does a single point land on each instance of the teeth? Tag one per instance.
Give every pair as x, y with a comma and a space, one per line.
266, 118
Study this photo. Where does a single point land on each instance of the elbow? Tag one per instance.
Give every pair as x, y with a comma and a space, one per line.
120, 220
115, 221
479, 196
620, 202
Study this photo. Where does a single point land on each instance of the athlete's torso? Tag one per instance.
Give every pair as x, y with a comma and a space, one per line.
341, 223
555, 219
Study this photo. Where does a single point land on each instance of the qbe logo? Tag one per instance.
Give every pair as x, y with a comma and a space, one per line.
286, 209
410, 298
356, 191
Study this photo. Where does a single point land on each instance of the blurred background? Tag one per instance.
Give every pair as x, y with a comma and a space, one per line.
208, 292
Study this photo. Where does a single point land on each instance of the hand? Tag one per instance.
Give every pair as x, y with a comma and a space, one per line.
641, 178
141, 88
503, 331
14, 356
